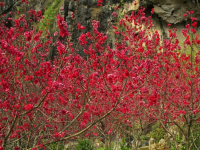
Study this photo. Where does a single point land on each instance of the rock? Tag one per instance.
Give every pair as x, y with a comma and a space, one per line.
7, 5
71, 146
145, 144
166, 11
167, 142
151, 141
130, 6
152, 144
144, 148
172, 11
98, 143
162, 144
135, 144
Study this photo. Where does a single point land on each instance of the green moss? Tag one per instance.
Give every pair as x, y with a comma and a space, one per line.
50, 15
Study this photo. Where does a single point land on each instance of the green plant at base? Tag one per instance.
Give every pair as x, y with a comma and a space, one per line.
157, 132
179, 140
123, 145
104, 148
121, 3
196, 133
56, 146
84, 144
144, 137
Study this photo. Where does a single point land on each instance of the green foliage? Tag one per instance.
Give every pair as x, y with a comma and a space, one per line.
121, 3
123, 145
104, 148
157, 132
179, 140
57, 145
196, 133
84, 144
50, 15
101, 148
144, 137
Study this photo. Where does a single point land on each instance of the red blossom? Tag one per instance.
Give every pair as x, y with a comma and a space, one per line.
116, 7
194, 24
2, 4
62, 25
187, 26
28, 107
28, 35
195, 111
110, 131
140, 77
37, 37
99, 3
193, 19
114, 14
184, 15
72, 15
39, 13
193, 31
152, 10
1, 148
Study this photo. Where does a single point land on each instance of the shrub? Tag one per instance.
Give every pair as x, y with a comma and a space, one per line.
157, 132
123, 145
84, 144
43, 102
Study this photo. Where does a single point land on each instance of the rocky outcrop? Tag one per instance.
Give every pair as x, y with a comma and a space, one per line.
8, 4
171, 11
166, 11
87, 11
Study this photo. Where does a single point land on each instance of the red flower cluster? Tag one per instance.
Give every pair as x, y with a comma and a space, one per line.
62, 25
80, 27
2, 4
99, 3
137, 82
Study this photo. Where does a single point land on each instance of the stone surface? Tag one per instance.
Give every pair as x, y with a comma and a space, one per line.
144, 148
70, 145
162, 144
97, 143
166, 11
172, 11
145, 143
7, 6
152, 144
